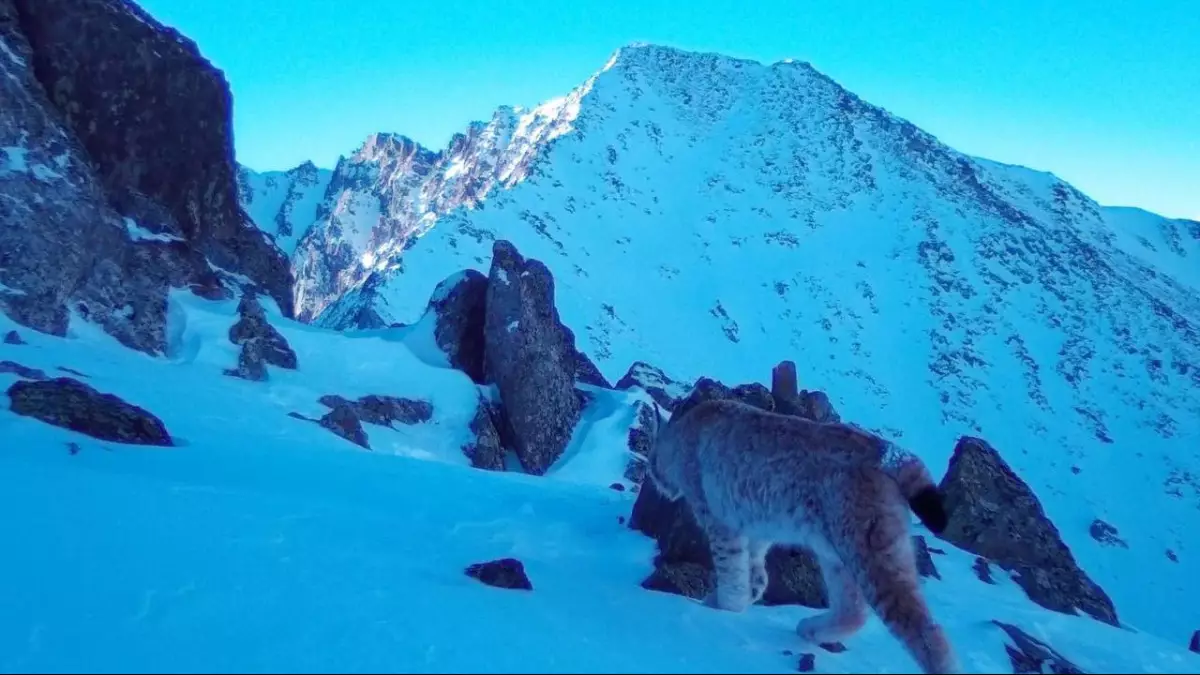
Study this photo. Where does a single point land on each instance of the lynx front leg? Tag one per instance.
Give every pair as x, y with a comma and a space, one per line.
731, 563
847, 606
758, 569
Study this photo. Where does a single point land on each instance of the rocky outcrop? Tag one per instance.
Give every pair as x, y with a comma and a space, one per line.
994, 514
1194, 645
458, 307
503, 573
71, 404
382, 409
12, 337
261, 343
343, 421
485, 449
1030, 655
118, 161
638, 441
925, 566
664, 390
21, 370
530, 357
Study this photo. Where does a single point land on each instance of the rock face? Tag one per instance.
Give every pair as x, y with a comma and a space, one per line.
458, 304
993, 513
117, 153
503, 573
1030, 655
384, 410
71, 404
261, 343
530, 357
485, 451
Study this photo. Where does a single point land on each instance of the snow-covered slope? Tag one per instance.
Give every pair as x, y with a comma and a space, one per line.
714, 216
283, 204
1169, 245
264, 543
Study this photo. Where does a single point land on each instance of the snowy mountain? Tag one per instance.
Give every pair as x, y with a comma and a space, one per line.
714, 216
283, 204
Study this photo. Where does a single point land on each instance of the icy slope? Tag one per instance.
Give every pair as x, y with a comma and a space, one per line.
714, 216
284, 204
265, 544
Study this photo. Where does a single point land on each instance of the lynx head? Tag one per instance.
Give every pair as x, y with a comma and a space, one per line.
659, 461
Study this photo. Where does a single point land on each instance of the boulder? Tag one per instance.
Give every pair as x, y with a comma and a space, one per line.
12, 337
1106, 534
530, 357
503, 573
71, 404
1194, 645
994, 514
485, 450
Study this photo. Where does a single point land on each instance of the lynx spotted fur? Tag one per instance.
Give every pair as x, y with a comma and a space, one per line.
753, 478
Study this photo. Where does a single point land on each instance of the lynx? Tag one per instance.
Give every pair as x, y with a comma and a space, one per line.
755, 478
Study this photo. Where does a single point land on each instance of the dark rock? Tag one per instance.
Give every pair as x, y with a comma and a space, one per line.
638, 440
503, 573
298, 416
387, 410
251, 365
99, 97
530, 358
383, 410
345, 423
983, 570
617, 486
808, 662
1194, 645
665, 391
688, 579
815, 405
994, 514
458, 304
21, 371
925, 566
1106, 534
485, 451
72, 371
155, 118
73, 405
833, 647
73, 448
1030, 655
12, 337
635, 471
1171, 556
252, 326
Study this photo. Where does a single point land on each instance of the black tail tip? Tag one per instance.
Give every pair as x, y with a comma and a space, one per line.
930, 509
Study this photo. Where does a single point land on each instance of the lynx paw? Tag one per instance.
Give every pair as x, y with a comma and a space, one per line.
737, 604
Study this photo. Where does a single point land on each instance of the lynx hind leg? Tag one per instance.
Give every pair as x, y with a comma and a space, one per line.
758, 569
731, 563
847, 611
887, 575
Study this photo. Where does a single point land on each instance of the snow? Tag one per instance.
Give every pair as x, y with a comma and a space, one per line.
12, 56
265, 543
139, 233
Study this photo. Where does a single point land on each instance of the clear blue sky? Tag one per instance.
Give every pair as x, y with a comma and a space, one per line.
1104, 94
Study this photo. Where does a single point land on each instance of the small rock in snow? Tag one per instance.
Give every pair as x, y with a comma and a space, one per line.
808, 661
12, 337
502, 573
